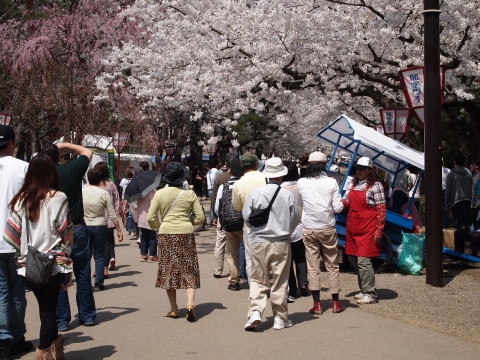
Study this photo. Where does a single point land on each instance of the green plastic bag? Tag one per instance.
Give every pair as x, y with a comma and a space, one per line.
410, 259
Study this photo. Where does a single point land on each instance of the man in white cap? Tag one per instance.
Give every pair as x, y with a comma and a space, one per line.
320, 200
12, 290
270, 246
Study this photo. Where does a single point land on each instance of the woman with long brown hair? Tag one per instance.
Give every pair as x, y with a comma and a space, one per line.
365, 201
40, 218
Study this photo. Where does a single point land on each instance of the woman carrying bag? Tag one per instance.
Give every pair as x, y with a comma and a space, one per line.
177, 253
40, 218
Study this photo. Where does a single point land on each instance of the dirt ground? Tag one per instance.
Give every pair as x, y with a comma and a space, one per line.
453, 309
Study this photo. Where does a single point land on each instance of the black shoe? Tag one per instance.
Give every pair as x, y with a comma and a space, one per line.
87, 323
99, 287
217, 276
304, 290
21, 347
191, 313
233, 286
5, 349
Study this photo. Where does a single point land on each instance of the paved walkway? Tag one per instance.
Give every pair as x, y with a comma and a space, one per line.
131, 324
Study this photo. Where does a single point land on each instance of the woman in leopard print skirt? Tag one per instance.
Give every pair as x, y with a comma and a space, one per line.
177, 254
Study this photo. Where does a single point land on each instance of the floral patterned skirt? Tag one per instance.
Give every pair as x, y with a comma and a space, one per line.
177, 262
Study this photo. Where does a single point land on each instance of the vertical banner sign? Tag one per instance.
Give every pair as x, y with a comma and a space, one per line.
413, 85
394, 122
5, 119
120, 141
111, 165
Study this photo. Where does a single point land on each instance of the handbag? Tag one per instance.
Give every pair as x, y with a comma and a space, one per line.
39, 265
259, 217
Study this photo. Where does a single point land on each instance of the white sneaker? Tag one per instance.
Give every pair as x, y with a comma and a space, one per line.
290, 299
367, 299
279, 324
254, 320
359, 295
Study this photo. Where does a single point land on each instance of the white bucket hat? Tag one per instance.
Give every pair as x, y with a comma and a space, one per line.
365, 161
274, 168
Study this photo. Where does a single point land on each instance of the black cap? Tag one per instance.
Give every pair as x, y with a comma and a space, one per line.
6, 134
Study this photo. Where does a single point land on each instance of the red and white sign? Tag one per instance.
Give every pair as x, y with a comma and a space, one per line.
394, 122
120, 141
5, 119
413, 85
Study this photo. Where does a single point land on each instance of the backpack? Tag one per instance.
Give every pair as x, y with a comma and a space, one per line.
230, 218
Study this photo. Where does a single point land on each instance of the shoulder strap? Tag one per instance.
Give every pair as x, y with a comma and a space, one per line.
174, 203
273, 199
28, 230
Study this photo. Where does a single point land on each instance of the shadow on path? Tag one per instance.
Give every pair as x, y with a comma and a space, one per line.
94, 353
104, 316
116, 274
383, 294
206, 309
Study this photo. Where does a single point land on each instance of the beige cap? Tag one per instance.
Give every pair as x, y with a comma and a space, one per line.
317, 157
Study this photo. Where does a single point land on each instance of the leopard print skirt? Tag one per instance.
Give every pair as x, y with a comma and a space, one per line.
177, 262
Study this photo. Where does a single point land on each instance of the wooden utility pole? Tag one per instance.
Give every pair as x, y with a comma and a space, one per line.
433, 160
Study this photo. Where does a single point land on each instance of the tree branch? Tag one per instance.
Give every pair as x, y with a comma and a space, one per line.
377, 79
215, 30
464, 38
362, 4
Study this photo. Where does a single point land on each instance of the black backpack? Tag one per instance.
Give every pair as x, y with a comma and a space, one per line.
230, 219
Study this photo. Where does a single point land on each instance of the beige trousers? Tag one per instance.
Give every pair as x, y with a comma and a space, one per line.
234, 239
318, 244
246, 244
265, 257
219, 252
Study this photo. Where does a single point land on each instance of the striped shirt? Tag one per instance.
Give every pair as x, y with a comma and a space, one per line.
50, 233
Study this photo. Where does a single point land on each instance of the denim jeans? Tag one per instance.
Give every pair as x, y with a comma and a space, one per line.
81, 255
97, 237
12, 300
148, 242
110, 246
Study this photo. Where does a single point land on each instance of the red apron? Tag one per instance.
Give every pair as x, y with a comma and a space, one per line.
361, 226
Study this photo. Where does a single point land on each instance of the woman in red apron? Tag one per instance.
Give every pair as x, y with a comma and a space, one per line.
365, 223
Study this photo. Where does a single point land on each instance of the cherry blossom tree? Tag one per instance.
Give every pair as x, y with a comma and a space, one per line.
297, 63
50, 55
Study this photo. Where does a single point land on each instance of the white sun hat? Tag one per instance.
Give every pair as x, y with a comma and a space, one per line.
274, 168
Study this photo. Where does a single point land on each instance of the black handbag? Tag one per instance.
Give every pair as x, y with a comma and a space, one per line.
259, 217
39, 265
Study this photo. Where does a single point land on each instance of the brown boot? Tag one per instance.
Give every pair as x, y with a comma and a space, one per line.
43, 354
57, 348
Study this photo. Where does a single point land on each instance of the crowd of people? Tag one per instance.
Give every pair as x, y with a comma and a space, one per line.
274, 221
